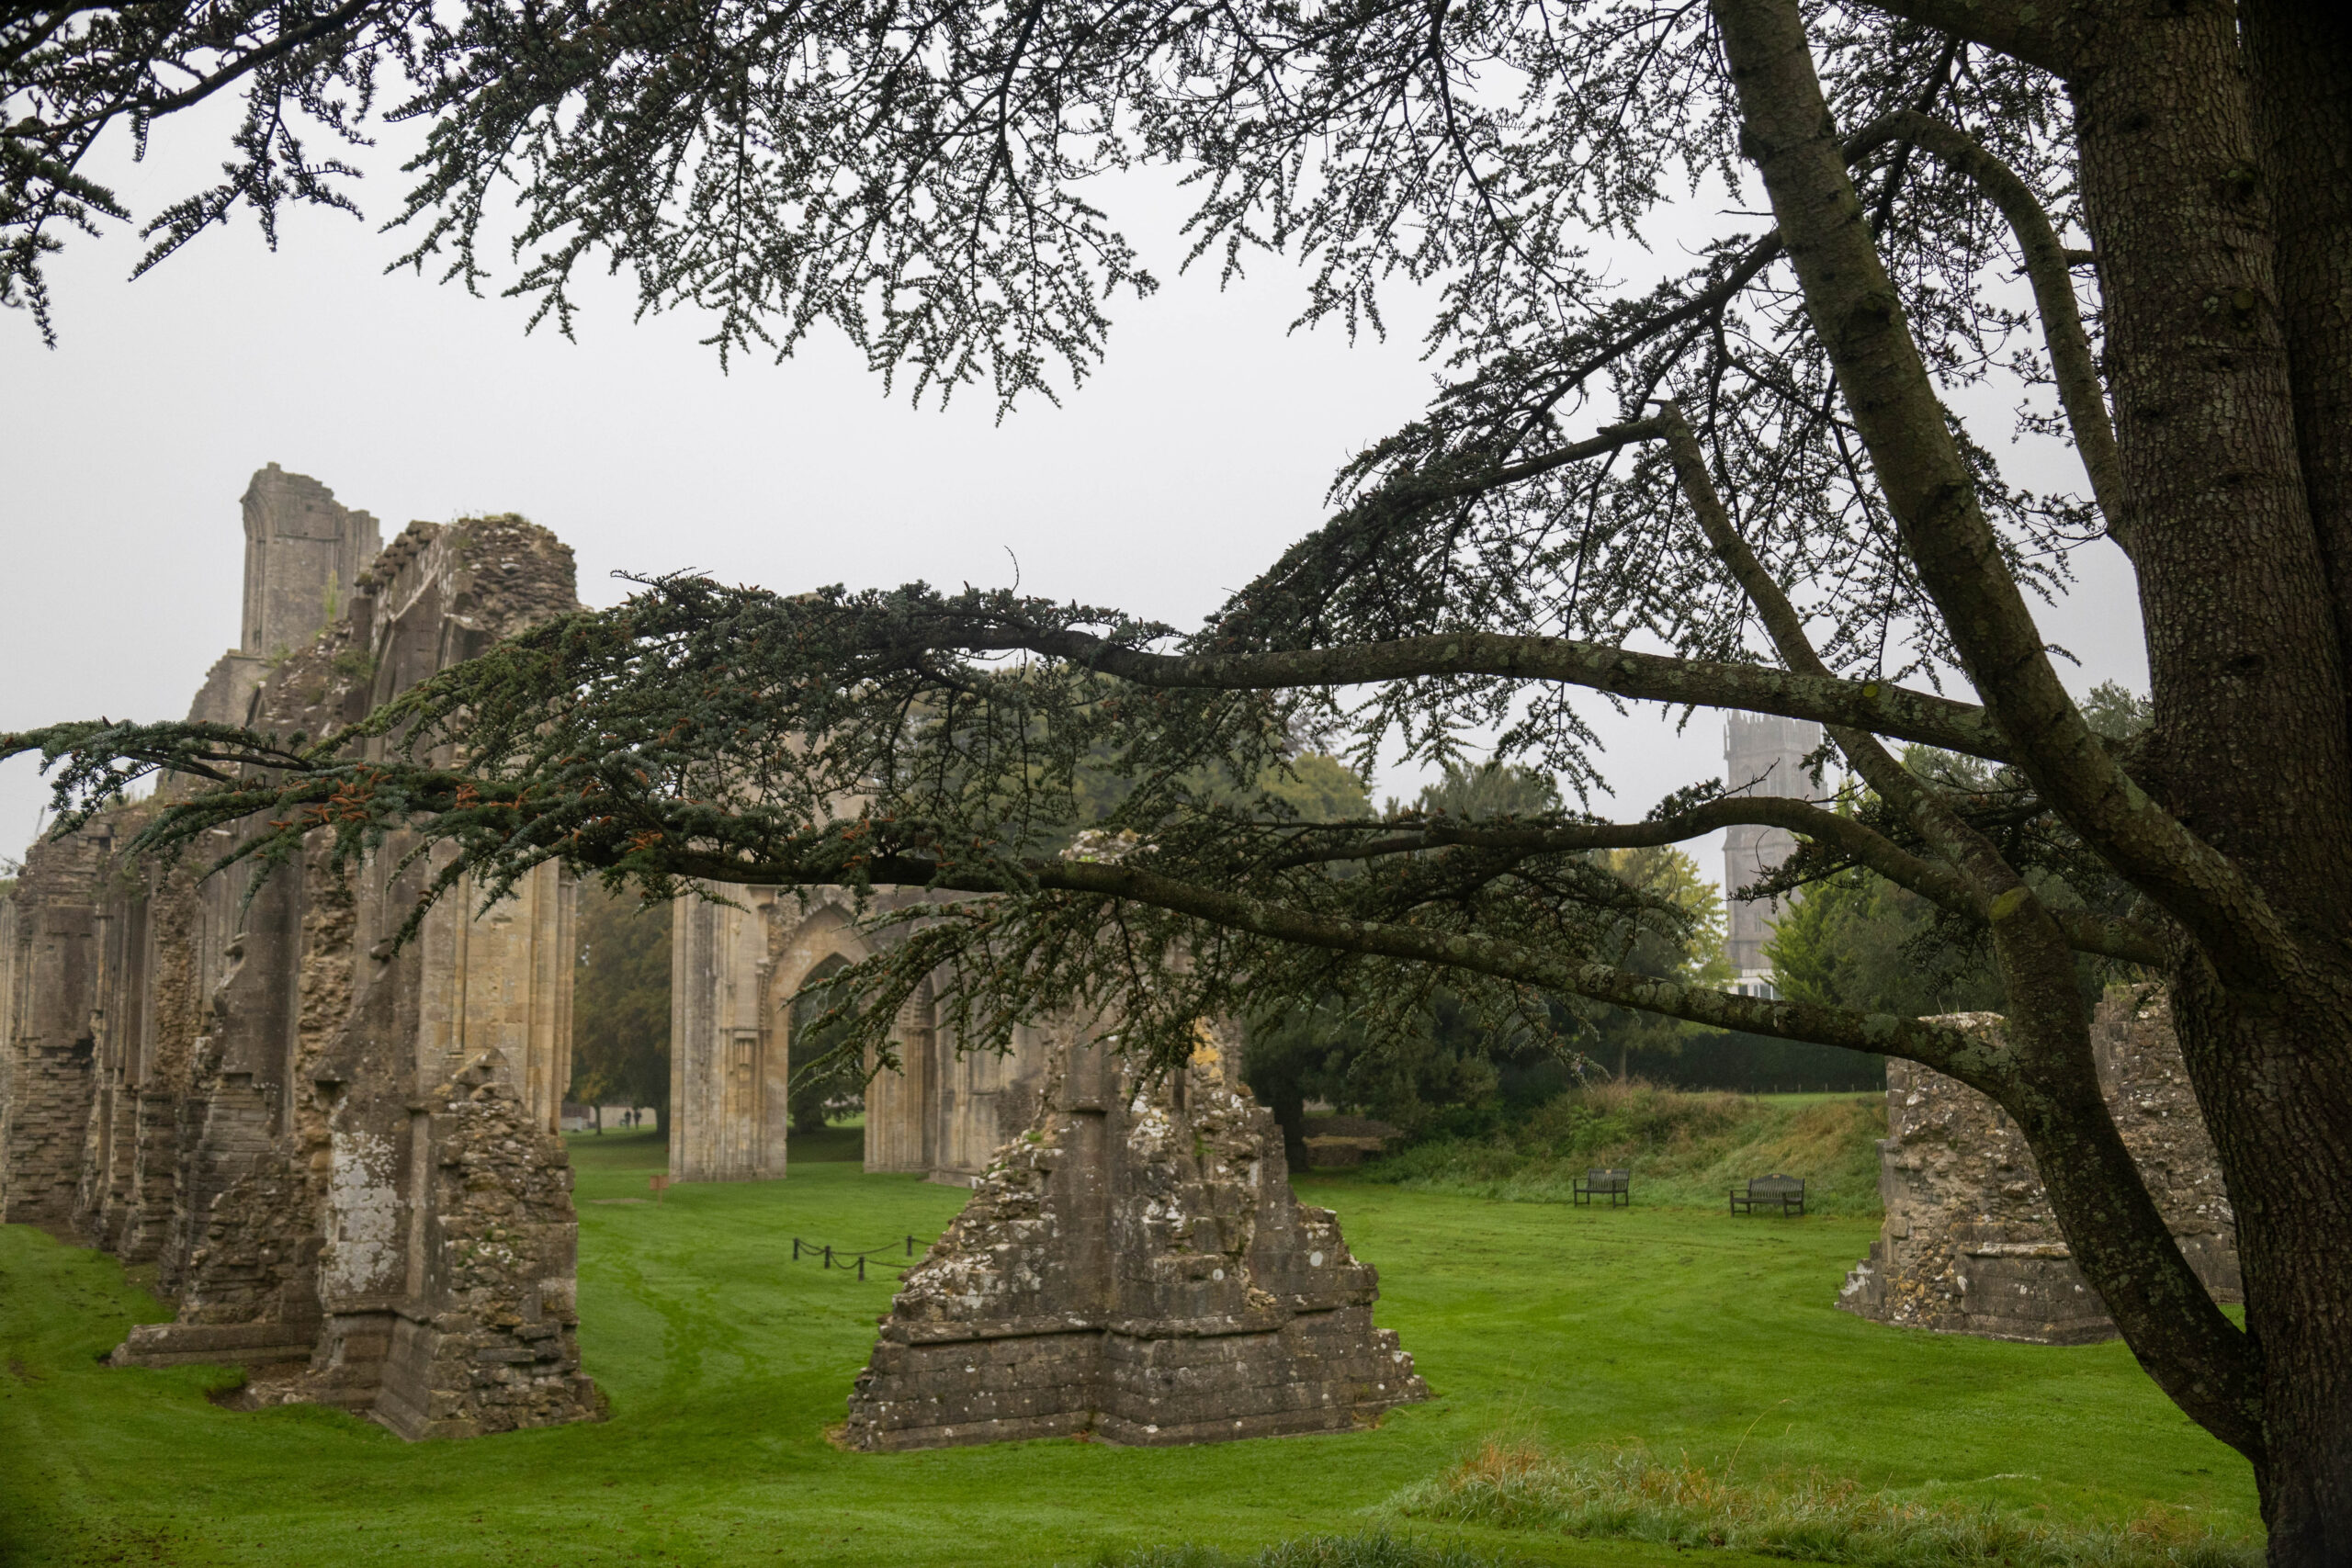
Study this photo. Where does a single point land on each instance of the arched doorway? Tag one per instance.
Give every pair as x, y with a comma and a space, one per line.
823, 1085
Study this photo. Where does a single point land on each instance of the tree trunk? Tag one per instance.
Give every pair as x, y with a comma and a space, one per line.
2249, 744
2299, 61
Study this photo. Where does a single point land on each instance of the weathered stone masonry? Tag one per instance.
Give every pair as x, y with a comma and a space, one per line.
1132, 1267
1970, 1244
341, 1159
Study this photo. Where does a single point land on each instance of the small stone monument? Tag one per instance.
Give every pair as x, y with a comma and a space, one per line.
1133, 1267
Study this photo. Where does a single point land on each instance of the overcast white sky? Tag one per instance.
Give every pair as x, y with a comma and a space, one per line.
1203, 448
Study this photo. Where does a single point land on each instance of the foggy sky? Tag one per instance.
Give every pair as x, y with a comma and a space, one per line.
1200, 450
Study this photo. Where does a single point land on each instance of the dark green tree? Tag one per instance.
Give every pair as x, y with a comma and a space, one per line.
1750, 485
620, 1003
1856, 940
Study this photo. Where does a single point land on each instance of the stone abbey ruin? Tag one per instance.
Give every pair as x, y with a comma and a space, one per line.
340, 1157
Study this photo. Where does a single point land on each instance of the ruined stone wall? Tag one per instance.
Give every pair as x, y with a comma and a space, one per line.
499, 1349
1133, 1266
51, 1038
340, 1152
1969, 1246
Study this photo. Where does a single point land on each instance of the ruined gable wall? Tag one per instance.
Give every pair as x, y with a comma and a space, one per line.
1969, 1246
448, 1280
335, 1153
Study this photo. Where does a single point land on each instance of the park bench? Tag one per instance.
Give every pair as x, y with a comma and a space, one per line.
1614, 1185
1785, 1193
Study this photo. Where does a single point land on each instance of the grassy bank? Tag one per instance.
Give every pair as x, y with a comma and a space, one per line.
1685, 1150
1685, 1331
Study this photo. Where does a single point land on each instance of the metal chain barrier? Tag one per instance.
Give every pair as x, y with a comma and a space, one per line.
841, 1256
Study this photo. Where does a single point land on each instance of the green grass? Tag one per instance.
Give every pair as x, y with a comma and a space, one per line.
1687, 1332
1805, 1515
1683, 1149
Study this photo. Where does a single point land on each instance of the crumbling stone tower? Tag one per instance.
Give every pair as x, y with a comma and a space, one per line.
1134, 1266
342, 1159
304, 552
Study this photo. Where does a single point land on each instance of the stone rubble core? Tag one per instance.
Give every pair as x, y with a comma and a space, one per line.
1134, 1268
1970, 1244
341, 1160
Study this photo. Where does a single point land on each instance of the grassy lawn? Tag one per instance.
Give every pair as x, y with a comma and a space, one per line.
1684, 1330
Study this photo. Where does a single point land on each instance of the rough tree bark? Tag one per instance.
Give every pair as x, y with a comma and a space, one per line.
2245, 648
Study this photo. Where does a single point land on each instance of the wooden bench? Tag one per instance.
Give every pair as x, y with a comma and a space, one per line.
1785, 1193
1614, 1185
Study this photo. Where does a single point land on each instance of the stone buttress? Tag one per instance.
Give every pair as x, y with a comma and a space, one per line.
1970, 1244
1132, 1267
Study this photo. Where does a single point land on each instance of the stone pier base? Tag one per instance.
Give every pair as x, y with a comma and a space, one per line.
1134, 1268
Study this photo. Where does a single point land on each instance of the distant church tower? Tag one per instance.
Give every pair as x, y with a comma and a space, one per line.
1762, 755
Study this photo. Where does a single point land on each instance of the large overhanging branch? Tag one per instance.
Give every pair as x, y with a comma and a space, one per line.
1939, 1046
1881, 706
2051, 35
2083, 930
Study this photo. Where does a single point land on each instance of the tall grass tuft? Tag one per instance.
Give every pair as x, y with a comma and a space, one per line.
1377, 1550
1632, 1494
1684, 1149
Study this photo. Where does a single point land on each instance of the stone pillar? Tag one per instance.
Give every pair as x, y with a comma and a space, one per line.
729, 1113
985, 1098
1134, 1265
45, 1114
902, 1106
